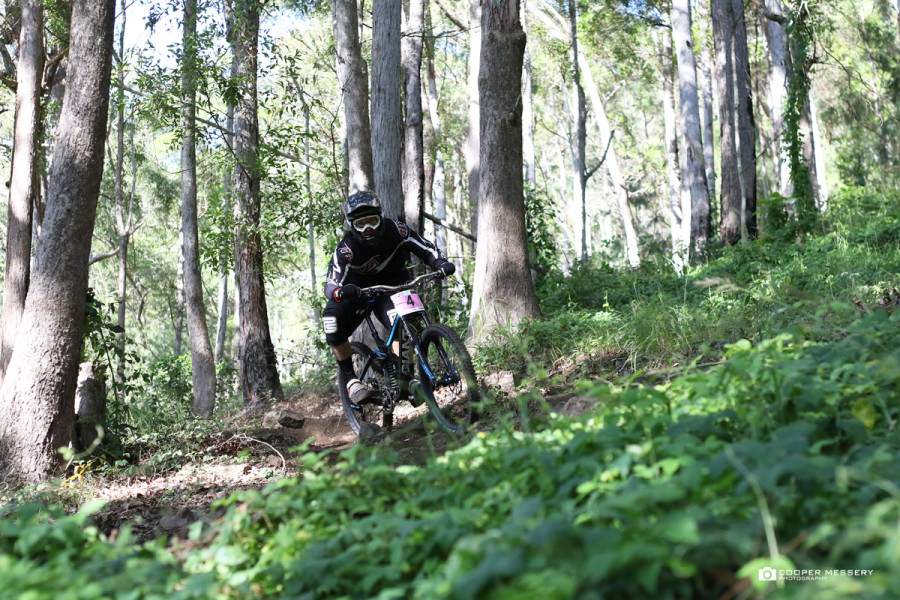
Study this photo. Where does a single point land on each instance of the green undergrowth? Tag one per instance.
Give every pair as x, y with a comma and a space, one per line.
751, 291
784, 456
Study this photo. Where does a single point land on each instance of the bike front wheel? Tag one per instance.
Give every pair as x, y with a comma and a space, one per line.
447, 377
369, 372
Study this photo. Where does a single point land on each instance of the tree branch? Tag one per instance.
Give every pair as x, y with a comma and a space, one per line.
104, 256
590, 173
453, 19
446, 225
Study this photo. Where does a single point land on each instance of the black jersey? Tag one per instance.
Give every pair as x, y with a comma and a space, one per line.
384, 264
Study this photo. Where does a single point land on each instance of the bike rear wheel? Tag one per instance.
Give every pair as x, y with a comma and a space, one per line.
451, 397
369, 372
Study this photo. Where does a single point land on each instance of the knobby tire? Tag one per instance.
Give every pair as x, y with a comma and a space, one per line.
450, 402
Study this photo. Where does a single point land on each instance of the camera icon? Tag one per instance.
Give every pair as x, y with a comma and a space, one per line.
768, 574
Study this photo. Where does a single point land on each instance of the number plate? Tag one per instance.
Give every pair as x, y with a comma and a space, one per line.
407, 302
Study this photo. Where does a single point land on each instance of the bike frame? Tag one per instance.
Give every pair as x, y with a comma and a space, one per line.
384, 350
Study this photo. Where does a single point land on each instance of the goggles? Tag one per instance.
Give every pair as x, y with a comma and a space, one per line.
363, 224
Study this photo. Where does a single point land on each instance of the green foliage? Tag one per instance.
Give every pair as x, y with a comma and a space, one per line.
47, 554
663, 491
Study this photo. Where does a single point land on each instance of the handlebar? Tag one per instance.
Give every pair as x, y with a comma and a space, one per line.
380, 290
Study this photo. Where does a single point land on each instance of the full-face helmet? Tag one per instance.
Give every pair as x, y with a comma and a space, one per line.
363, 217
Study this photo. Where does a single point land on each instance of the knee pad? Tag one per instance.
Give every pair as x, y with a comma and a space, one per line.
332, 333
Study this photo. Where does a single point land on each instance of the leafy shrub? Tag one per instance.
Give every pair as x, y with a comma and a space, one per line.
667, 490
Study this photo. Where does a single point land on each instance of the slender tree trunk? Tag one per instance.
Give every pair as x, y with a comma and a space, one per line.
25, 185
203, 368
386, 111
818, 155
231, 183
227, 189
258, 370
353, 78
705, 81
37, 400
123, 221
580, 131
779, 67
438, 186
503, 292
746, 122
558, 24
179, 295
473, 153
723, 37
809, 147
666, 59
222, 312
414, 158
694, 193
528, 110
122, 279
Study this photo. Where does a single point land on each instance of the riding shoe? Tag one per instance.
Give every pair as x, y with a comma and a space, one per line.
358, 391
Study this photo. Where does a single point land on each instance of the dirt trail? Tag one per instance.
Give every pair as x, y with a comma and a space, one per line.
253, 452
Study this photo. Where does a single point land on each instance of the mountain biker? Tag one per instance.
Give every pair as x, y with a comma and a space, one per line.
373, 251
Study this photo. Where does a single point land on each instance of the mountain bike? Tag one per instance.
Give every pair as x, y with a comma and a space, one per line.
433, 366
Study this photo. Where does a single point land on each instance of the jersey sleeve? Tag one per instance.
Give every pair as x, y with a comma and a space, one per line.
338, 268
424, 249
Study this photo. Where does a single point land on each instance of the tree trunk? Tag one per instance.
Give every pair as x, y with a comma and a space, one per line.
437, 187
353, 78
179, 295
723, 37
123, 222
90, 405
745, 121
257, 363
473, 139
413, 150
227, 189
632, 251
503, 292
779, 67
386, 106
203, 368
818, 156
528, 109
666, 59
37, 400
809, 147
694, 193
222, 312
25, 185
580, 134
705, 81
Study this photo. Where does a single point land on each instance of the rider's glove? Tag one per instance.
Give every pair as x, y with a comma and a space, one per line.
349, 290
446, 267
